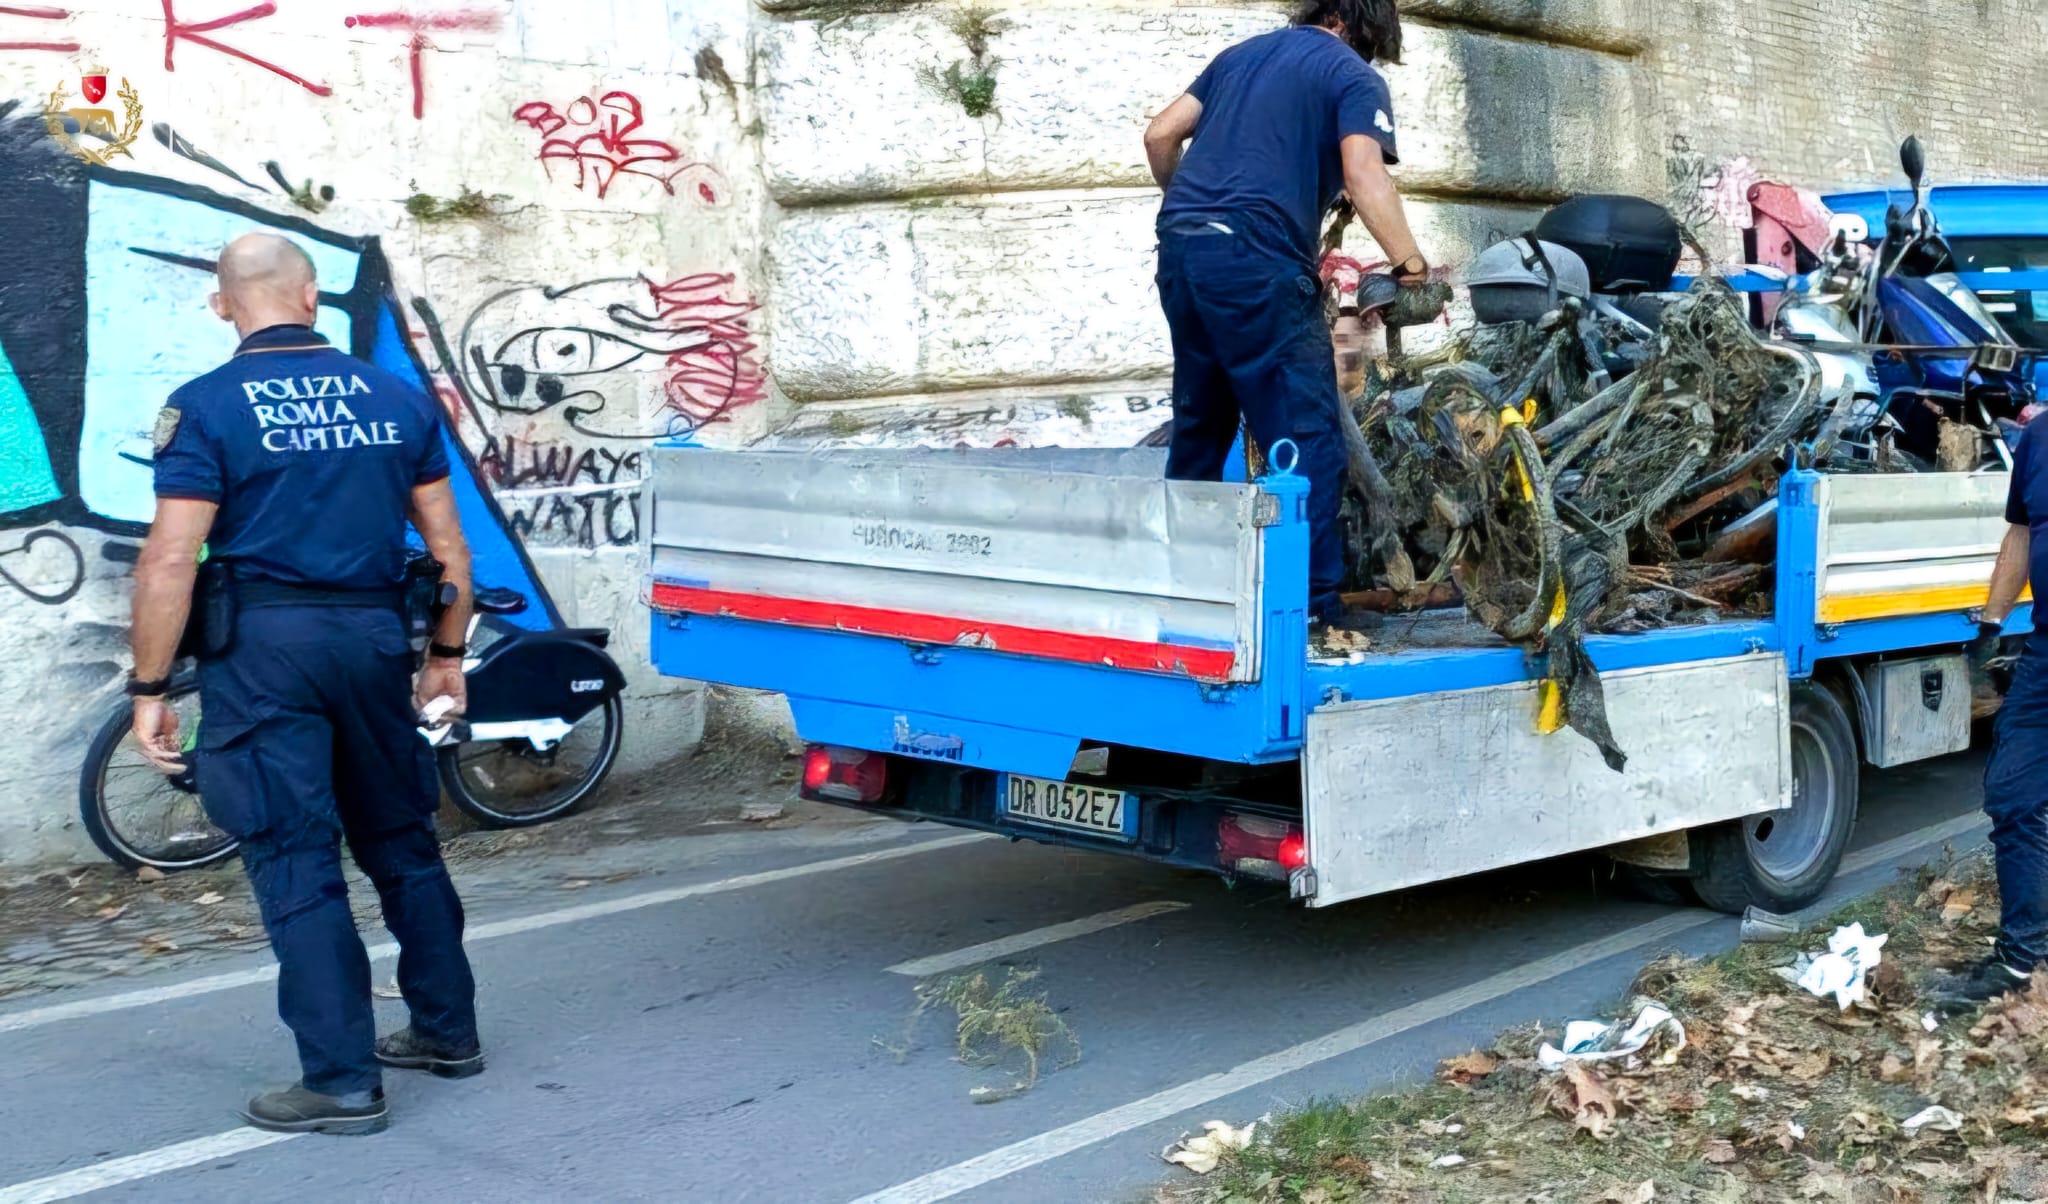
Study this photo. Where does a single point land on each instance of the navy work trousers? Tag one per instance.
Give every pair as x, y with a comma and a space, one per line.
2016, 799
307, 736
1250, 340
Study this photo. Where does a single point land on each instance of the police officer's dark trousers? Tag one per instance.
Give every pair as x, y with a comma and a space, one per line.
307, 736
2016, 799
1250, 339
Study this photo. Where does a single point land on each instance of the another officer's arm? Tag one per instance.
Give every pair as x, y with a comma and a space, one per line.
2009, 575
434, 517
1378, 202
164, 573
1168, 133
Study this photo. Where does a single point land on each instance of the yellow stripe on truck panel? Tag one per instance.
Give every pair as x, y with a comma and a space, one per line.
1892, 604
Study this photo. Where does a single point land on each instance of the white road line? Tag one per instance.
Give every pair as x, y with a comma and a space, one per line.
1899, 846
950, 1181
965, 1176
116, 1171
989, 951
74, 1009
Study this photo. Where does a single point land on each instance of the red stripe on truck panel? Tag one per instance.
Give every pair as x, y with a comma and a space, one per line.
1208, 664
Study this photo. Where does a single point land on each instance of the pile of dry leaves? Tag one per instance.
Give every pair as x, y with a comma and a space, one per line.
1774, 1096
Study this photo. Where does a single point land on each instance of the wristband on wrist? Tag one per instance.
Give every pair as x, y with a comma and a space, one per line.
447, 651
137, 688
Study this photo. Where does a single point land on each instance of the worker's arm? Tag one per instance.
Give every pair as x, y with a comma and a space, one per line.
1168, 134
1378, 202
2008, 578
434, 516
164, 573
2009, 575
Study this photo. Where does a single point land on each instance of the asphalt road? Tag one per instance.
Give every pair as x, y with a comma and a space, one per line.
733, 1029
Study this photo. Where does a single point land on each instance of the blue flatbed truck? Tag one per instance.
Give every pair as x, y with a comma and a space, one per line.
1063, 647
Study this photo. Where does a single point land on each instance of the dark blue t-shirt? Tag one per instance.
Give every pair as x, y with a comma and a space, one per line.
2026, 501
1275, 113
312, 456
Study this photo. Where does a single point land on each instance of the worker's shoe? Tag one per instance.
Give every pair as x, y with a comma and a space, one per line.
1989, 979
407, 1050
297, 1109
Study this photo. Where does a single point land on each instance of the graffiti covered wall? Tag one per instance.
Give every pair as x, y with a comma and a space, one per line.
545, 216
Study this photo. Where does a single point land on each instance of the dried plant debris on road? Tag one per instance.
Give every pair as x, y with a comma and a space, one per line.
1776, 1095
1006, 1027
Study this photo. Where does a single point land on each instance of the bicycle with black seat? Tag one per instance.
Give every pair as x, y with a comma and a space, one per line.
541, 731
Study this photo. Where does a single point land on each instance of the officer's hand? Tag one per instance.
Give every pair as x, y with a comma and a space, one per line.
1984, 649
441, 677
156, 730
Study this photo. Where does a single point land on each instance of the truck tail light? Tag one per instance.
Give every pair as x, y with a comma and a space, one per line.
846, 775
1259, 847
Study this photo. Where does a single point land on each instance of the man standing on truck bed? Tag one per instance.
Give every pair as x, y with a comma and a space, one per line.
2016, 780
1283, 126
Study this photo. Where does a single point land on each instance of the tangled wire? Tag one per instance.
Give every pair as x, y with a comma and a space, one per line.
1549, 493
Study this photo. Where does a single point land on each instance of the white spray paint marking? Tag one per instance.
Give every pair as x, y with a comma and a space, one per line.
53, 1013
116, 1171
987, 951
950, 1181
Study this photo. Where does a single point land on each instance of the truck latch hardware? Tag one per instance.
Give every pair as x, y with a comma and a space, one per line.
1828, 631
1265, 510
677, 622
925, 654
1333, 696
1301, 884
1933, 684
1216, 693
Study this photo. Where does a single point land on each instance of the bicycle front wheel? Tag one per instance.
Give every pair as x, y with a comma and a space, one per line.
135, 814
512, 784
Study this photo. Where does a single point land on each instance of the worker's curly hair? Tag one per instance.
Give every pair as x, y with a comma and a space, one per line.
1371, 27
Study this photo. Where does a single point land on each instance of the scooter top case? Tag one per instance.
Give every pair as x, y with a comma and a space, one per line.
1630, 245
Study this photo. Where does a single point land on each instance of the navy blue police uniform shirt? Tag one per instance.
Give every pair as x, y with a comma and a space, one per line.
2026, 500
1275, 113
310, 453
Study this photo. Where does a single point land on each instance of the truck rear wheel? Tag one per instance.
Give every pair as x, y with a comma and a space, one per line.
1783, 860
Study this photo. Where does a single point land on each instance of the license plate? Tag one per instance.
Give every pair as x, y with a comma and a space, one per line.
1073, 806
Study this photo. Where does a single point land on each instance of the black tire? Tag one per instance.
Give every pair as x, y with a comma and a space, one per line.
136, 815
1782, 861
505, 799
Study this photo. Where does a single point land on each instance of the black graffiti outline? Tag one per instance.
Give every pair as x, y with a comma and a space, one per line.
77, 558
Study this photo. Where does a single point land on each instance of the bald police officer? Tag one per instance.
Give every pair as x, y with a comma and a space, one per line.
297, 467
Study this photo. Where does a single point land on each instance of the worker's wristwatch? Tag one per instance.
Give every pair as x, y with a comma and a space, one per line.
1413, 269
447, 652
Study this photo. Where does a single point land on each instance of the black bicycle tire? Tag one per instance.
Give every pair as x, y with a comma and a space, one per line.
92, 776
450, 770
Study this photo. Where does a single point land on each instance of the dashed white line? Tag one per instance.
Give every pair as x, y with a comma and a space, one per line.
988, 951
74, 1009
979, 1171
116, 1171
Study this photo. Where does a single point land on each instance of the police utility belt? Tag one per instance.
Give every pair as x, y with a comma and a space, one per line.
219, 596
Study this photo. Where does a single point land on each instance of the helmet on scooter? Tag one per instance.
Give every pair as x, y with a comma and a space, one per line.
1511, 282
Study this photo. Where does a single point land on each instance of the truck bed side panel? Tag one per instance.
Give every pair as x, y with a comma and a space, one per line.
1402, 791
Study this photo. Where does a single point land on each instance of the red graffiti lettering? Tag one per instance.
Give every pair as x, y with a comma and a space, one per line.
712, 379
599, 137
177, 30
37, 13
416, 27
